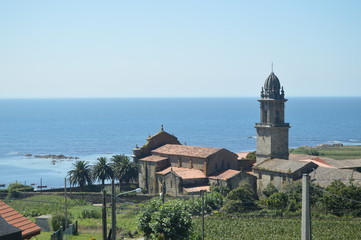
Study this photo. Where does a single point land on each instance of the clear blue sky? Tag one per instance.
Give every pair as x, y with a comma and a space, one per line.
178, 48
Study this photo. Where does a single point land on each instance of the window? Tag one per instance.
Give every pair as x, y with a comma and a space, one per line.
272, 177
260, 175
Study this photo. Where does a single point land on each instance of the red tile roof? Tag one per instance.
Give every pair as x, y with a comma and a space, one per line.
153, 158
184, 173
12, 217
184, 150
242, 155
319, 162
227, 174
197, 189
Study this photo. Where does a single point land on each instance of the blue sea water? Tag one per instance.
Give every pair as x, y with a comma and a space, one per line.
90, 128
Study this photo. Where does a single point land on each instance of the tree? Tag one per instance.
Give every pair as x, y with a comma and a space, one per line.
277, 200
269, 190
102, 170
124, 169
240, 199
341, 199
171, 220
81, 174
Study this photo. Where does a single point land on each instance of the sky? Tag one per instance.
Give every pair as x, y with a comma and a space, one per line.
98, 49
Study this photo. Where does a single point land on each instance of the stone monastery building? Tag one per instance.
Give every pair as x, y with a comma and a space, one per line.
169, 167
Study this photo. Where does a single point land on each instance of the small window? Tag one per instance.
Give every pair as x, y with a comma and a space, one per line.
272, 177
171, 184
283, 179
260, 175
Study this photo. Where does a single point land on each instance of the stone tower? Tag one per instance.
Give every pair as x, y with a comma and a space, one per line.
272, 131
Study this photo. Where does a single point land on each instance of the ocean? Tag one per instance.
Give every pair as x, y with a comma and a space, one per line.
91, 128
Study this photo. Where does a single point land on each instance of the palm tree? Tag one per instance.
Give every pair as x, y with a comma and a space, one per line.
102, 170
81, 174
124, 169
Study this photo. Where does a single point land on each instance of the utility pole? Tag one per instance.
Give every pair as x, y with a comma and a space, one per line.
202, 194
114, 219
306, 213
104, 216
65, 206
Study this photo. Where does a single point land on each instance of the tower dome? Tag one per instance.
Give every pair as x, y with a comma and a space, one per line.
272, 87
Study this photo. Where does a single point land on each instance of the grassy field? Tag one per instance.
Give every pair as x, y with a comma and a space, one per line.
127, 221
217, 227
338, 153
230, 228
345, 152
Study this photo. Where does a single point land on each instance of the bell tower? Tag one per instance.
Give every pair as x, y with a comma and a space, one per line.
272, 131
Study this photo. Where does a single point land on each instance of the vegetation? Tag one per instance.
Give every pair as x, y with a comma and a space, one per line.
80, 174
240, 199
102, 170
251, 156
60, 220
254, 228
171, 220
124, 169
335, 152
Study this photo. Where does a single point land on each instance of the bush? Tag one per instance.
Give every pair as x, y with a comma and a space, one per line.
269, 190
14, 189
212, 201
90, 213
240, 199
58, 220
171, 220
278, 200
251, 156
340, 199
220, 189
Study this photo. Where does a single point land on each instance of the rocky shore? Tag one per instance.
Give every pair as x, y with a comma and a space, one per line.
51, 156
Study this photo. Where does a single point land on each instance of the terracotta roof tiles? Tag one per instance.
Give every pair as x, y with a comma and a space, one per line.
227, 174
153, 158
197, 189
184, 173
14, 218
184, 150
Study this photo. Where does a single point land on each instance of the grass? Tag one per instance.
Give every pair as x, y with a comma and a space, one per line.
127, 220
338, 153
217, 227
229, 228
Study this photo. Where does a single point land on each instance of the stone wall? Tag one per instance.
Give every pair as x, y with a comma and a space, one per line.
221, 160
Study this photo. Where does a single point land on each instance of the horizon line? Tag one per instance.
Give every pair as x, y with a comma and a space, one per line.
164, 97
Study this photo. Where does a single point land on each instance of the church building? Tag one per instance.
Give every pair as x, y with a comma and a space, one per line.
167, 166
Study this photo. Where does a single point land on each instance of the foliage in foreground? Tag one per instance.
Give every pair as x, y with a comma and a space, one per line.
171, 220
233, 227
59, 220
42, 204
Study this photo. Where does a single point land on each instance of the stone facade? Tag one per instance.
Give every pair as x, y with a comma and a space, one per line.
272, 131
166, 165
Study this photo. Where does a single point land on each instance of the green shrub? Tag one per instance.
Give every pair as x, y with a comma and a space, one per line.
240, 199
269, 190
251, 156
278, 200
58, 220
170, 220
212, 201
19, 187
220, 189
90, 213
